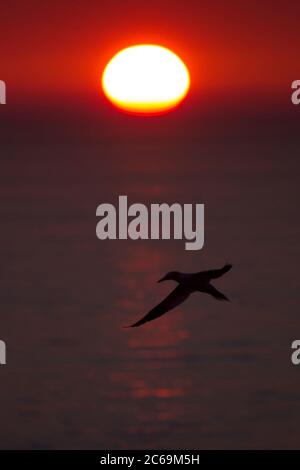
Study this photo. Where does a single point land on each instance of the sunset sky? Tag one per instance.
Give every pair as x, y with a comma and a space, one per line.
63, 47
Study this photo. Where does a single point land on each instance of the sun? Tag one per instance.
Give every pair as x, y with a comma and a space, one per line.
146, 79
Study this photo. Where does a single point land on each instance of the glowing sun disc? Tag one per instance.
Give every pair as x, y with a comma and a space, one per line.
146, 79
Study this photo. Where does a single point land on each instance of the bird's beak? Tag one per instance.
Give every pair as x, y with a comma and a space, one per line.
162, 279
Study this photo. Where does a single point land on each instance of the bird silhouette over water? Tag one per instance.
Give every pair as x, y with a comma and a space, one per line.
187, 284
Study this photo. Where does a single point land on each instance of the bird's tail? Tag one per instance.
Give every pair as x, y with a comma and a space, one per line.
214, 274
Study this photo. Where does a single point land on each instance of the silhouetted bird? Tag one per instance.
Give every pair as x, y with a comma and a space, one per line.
187, 284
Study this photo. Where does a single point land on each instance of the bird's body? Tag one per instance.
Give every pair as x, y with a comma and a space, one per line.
187, 284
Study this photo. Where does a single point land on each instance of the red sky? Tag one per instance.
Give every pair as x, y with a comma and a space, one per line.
63, 45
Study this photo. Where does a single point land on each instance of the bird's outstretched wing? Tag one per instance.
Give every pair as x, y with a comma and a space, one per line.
216, 293
176, 297
215, 273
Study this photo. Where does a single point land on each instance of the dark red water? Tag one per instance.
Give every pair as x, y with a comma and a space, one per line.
208, 374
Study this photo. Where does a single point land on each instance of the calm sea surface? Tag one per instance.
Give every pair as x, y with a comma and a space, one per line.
206, 375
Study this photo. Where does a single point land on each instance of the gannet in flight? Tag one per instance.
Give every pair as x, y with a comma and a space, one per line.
187, 284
